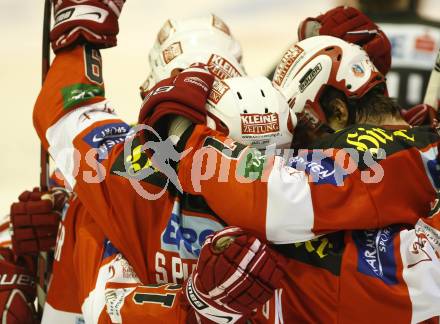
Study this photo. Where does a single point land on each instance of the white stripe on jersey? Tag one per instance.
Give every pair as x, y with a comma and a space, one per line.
52, 315
293, 221
61, 135
421, 270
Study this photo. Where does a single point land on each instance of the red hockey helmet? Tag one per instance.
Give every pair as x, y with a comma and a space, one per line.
309, 66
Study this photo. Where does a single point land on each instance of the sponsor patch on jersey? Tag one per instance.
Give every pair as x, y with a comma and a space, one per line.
374, 139
310, 75
219, 88
171, 52
78, 93
253, 165
321, 168
186, 234
424, 245
288, 62
376, 253
221, 67
105, 137
109, 249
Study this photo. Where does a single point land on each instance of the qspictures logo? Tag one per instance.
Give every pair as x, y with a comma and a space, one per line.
255, 124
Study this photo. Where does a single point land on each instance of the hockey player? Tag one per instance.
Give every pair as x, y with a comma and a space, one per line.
292, 228
415, 42
206, 39
303, 74
81, 69
369, 275
97, 119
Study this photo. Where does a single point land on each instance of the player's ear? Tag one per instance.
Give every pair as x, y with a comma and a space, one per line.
175, 72
338, 118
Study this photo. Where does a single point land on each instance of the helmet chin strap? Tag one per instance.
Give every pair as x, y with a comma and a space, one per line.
177, 127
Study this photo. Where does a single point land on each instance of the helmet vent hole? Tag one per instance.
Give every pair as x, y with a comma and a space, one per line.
262, 93
266, 110
239, 95
329, 48
245, 111
339, 57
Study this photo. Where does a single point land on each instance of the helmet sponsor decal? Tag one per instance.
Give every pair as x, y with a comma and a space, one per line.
286, 63
165, 32
171, 52
221, 67
358, 70
310, 75
220, 24
256, 124
219, 88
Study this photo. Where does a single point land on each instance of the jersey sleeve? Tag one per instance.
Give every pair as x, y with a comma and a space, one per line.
285, 203
81, 131
72, 103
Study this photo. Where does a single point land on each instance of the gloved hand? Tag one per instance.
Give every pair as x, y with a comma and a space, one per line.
183, 95
35, 219
92, 21
235, 274
17, 290
352, 26
421, 114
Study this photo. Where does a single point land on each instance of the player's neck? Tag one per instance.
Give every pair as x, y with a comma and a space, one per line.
388, 120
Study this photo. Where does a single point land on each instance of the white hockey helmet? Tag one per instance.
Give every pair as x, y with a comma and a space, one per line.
311, 65
250, 111
183, 42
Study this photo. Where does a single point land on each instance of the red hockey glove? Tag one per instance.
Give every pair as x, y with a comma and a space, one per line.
235, 274
93, 21
35, 219
184, 95
352, 26
17, 290
421, 114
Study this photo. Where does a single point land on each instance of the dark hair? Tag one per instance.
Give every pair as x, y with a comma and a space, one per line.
374, 105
